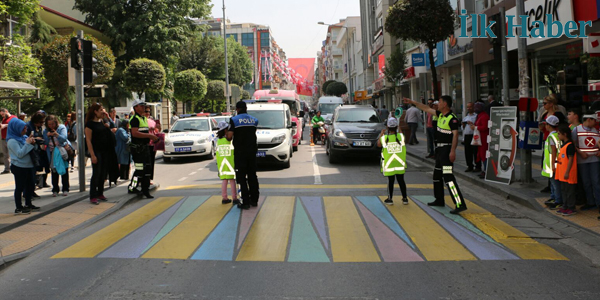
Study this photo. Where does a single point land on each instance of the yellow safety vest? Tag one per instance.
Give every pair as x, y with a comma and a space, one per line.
225, 160
547, 167
393, 155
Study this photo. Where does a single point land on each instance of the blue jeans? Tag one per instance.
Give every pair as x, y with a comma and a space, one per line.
431, 140
555, 192
588, 173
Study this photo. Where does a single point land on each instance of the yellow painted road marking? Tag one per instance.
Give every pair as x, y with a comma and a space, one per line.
304, 186
10, 183
184, 239
268, 237
350, 241
433, 241
104, 238
520, 243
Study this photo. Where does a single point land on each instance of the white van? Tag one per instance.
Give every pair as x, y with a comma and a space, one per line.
274, 132
327, 105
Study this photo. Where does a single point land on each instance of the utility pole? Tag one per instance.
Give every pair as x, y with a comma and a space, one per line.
523, 90
80, 120
227, 96
504, 52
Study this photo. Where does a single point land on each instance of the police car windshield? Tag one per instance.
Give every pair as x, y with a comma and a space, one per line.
269, 119
224, 119
357, 116
191, 125
328, 108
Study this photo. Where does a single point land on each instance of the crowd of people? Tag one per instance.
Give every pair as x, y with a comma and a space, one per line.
44, 145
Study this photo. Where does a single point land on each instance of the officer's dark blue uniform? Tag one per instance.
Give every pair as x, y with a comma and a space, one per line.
245, 146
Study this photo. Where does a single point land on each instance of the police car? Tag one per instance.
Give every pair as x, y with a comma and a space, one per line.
191, 137
274, 132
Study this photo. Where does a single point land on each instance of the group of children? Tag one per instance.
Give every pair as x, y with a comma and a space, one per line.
564, 146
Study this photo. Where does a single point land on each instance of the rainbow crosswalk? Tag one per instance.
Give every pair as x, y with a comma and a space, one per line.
309, 229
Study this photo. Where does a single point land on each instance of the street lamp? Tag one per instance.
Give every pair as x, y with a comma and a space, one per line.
227, 96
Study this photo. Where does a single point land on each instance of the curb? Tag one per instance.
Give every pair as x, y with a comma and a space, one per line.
516, 197
123, 200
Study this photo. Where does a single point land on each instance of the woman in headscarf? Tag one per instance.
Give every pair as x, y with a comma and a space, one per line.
123, 155
19, 147
481, 123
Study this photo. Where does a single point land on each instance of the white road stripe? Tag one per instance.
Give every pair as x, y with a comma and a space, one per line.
183, 179
317, 174
192, 174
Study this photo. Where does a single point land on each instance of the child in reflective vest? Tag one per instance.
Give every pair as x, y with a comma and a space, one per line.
393, 158
226, 164
566, 171
551, 147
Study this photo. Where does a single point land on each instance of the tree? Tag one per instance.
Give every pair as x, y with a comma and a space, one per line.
394, 68
190, 85
240, 65
325, 84
20, 10
205, 54
55, 60
41, 33
145, 75
337, 89
412, 20
245, 95
215, 100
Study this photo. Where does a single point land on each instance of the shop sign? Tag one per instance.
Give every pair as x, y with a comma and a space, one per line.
378, 44
418, 59
502, 144
381, 66
438, 56
409, 72
379, 84
454, 49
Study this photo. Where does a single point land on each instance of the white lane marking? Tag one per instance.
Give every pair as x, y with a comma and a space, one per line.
192, 174
183, 179
317, 174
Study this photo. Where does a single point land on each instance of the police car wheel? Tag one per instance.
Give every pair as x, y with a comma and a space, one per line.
212, 153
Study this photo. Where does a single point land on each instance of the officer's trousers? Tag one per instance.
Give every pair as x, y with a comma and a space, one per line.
143, 169
245, 175
443, 171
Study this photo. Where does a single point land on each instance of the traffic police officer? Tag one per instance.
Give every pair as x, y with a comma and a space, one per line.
242, 130
140, 150
446, 141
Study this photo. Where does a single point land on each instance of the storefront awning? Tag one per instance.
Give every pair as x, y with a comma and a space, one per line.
11, 85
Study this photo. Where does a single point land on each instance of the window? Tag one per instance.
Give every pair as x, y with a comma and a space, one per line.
265, 41
234, 35
13, 28
248, 39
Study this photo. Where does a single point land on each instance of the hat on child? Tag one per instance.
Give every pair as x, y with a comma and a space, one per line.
392, 122
223, 125
552, 120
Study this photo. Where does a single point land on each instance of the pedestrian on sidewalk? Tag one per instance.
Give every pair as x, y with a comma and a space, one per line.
19, 148
55, 135
566, 171
174, 118
470, 150
71, 136
242, 131
446, 138
35, 126
226, 164
140, 150
122, 151
412, 119
481, 124
393, 158
491, 103
430, 130
551, 147
97, 138
587, 142
383, 113
574, 119
5, 117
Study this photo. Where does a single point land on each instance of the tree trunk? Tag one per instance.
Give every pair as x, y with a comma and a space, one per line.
436, 92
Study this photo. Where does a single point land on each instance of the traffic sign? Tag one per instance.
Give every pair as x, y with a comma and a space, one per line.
528, 104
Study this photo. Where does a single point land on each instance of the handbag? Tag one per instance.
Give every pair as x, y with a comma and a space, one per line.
63, 152
35, 158
70, 152
476, 138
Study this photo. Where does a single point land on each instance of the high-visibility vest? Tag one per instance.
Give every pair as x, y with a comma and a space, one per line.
562, 162
393, 155
225, 160
547, 166
587, 140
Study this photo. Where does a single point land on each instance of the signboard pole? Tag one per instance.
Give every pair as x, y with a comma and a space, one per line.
523, 92
505, 86
79, 99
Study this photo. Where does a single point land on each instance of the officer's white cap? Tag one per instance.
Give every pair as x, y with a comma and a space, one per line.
222, 125
138, 102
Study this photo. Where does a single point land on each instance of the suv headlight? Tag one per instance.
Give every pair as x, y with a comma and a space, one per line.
168, 143
203, 140
278, 139
339, 133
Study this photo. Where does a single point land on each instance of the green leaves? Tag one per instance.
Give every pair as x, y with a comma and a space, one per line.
215, 100
325, 85
424, 21
190, 85
395, 65
337, 89
145, 75
22, 10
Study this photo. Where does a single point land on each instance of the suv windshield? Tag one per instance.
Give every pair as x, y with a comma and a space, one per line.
328, 108
357, 116
191, 125
269, 119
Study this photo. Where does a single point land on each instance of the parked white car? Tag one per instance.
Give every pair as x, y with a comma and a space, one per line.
190, 137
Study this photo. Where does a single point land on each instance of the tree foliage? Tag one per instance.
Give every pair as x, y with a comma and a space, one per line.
190, 85
55, 59
240, 65
395, 66
205, 54
412, 20
215, 100
245, 95
325, 85
145, 75
154, 29
41, 33
22, 10
337, 89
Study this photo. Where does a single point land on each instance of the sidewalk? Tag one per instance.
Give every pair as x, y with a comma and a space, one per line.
528, 195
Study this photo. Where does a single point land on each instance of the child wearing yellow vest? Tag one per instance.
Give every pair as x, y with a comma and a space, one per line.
393, 158
566, 171
226, 164
551, 147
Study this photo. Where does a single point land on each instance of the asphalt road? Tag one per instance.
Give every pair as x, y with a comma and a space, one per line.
311, 177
